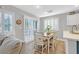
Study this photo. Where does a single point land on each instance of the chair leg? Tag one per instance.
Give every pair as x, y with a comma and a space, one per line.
42, 49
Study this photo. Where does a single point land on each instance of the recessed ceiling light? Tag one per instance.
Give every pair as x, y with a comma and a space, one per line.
37, 6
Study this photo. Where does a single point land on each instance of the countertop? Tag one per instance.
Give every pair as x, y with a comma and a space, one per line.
69, 35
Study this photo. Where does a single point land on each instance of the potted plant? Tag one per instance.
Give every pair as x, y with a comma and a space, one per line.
48, 29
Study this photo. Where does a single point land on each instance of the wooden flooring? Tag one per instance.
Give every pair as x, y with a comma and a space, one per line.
59, 48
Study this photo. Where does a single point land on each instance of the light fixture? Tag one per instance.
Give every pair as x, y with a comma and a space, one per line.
37, 6
50, 11
46, 12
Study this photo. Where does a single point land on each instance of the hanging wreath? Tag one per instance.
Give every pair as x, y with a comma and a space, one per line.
18, 21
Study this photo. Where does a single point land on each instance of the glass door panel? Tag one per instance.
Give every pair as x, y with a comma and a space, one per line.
29, 27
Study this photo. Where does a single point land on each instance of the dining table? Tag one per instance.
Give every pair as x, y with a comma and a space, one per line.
48, 38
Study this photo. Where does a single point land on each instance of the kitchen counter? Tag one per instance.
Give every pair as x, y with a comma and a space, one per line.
69, 35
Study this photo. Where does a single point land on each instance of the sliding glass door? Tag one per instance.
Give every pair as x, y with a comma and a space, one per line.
29, 27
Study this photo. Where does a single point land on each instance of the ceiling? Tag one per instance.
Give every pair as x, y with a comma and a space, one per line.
46, 10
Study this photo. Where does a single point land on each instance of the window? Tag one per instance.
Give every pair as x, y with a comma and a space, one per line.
7, 23
51, 22
0, 22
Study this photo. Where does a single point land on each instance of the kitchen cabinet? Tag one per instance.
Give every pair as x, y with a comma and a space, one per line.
73, 19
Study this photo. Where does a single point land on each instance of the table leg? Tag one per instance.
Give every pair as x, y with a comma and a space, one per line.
48, 46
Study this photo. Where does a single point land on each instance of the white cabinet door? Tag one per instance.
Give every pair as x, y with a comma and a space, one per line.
73, 19
77, 18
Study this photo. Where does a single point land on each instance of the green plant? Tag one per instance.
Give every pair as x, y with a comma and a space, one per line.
48, 29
